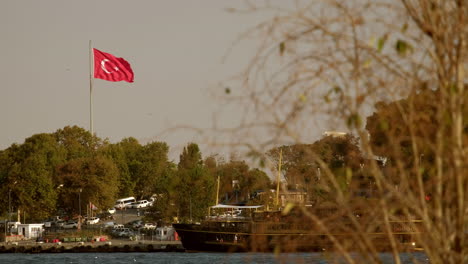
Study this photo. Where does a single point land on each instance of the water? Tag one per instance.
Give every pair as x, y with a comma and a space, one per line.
186, 258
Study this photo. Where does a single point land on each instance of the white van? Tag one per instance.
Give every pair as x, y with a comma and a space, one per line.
122, 203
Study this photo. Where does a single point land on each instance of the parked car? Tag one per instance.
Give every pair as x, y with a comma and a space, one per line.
140, 204
111, 210
92, 220
151, 201
135, 224
60, 223
131, 205
70, 225
105, 216
107, 225
124, 203
126, 233
52, 221
149, 226
118, 226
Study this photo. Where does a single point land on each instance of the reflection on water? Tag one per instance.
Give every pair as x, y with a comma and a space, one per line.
189, 258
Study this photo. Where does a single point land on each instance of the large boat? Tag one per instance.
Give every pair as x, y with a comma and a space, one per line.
295, 227
252, 229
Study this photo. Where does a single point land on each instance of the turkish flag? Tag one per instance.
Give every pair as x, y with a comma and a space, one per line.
110, 68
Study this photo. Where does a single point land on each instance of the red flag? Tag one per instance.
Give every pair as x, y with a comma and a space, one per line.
110, 68
92, 206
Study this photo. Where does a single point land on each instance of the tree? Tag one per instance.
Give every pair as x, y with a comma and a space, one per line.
333, 60
28, 172
91, 180
141, 167
238, 182
117, 153
194, 186
303, 164
77, 141
164, 209
153, 162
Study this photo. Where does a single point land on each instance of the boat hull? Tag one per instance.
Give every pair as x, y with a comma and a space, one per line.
200, 238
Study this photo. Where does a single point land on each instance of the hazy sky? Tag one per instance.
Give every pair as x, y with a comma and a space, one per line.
175, 48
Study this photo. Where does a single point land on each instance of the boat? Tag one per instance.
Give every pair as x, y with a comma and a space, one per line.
297, 228
252, 229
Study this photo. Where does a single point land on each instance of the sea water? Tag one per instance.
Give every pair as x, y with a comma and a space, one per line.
190, 258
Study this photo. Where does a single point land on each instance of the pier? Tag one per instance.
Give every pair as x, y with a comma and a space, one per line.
110, 246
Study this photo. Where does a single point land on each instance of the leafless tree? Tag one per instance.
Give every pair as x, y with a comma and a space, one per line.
328, 62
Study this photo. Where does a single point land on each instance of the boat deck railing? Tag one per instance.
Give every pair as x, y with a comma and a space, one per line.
228, 218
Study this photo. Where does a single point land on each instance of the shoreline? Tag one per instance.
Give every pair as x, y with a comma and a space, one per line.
111, 246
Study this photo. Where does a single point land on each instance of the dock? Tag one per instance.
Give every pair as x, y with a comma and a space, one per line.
111, 246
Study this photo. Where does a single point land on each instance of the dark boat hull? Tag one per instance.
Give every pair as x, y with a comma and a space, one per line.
194, 238
200, 238
197, 238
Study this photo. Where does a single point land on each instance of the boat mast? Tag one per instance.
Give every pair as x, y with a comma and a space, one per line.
217, 192
217, 198
278, 178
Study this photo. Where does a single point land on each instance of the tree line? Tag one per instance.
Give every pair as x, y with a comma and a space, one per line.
53, 173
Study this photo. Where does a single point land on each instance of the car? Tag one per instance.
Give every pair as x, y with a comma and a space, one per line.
131, 205
126, 233
60, 223
92, 220
124, 203
108, 225
70, 225
105, 216
111, 210
149, 226
135, 224
117, 230
53, 221
140, 204
118, 226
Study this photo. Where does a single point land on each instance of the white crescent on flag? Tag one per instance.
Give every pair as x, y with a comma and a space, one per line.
103, 66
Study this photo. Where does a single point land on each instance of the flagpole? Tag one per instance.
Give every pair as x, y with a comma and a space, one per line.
278, 178
91, 69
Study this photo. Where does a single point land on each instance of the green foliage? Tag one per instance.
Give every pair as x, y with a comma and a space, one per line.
28, 175
61, 170
282, 47
389, 128
354, 121
194, 186
302, 170
403, 47
117, 153
96, 177
381, 42
404, 28
77, 141
248, 181
153, 161
396, 127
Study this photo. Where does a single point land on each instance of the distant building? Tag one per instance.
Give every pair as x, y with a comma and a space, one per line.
293, 196
334, 134
29, 231
165, 233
